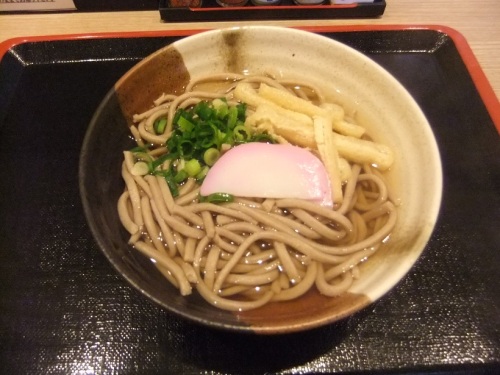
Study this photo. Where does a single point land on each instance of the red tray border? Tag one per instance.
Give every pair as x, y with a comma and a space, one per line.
477, 74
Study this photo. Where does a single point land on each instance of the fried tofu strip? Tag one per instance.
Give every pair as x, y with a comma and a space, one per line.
247, 94
289, 101
323, 136
345, 170
296, 108
292, 130
329, 110
351, 148
364, 151
291, 117
339, 124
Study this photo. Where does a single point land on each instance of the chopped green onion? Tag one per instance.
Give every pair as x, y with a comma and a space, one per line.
145, 159
140, 169
241, 133
199, 135
162, 159
203, 110
232, 117
206, 136
185, 125
143, 156
139, 149
216, 198
203, 173
160, 125
242, 111
211, 156
181, 176
186, 148
221, 107
168, 176
192, 167
262, 137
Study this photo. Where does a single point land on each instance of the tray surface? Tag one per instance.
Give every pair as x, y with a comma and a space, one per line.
64, 309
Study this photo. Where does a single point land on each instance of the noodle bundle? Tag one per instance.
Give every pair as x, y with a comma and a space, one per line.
245, 253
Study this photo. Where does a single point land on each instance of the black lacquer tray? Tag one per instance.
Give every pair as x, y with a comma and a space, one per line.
286, 10
64, 309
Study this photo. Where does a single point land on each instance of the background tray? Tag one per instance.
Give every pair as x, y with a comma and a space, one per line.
287, 9
63, 308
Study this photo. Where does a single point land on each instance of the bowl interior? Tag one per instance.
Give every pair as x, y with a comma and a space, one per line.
362, 87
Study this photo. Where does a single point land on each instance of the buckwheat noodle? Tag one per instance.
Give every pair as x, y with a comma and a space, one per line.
250, 252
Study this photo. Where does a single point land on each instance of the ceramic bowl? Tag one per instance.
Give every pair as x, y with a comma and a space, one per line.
355, 81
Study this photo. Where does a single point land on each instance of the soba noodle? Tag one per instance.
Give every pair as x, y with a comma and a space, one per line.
244, 254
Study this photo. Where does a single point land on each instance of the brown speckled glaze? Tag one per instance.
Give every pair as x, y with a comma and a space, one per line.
163, 72
310, 311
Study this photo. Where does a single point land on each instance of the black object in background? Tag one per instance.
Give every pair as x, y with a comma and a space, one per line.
115, 5
286, 10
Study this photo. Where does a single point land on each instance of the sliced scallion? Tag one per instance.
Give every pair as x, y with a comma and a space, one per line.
181, 176
241, 133
192, 167
200, 134
203, 173
160, 125
211, 156
169, 178
216, 198
140, 169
